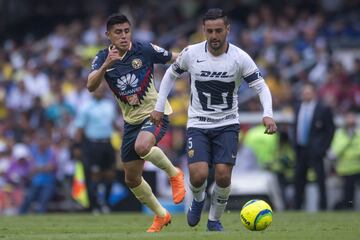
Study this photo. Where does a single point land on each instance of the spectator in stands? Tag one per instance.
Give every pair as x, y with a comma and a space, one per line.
354, 89
43, 167
19, 99
283, 165
59, 110
37, 114
314, 130
78, 96
263, 147
36, 81
4, 163
346, 150
19, 170
17, 176
95, 124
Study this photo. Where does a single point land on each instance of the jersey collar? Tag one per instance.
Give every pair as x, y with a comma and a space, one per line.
227, 48
122, 57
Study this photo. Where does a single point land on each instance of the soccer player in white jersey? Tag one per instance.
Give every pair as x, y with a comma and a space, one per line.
216, 68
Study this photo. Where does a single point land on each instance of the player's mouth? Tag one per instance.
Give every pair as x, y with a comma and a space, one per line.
124, 44
215, 43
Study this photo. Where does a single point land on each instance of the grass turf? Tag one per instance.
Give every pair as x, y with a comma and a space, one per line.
287, 225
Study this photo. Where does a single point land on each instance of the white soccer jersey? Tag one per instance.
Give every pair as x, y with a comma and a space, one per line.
214, 83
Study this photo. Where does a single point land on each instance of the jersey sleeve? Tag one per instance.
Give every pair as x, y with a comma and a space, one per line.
98, 60
157, 54
181, 64
250, 71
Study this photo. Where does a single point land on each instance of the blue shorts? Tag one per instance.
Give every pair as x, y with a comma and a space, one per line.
131, 132
214, 146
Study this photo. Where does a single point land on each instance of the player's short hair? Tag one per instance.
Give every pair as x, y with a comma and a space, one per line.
116, 18
215, 13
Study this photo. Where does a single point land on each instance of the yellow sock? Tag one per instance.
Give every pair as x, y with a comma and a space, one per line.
159, 159
145, 195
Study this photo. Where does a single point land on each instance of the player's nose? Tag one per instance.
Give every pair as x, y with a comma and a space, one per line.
122, 35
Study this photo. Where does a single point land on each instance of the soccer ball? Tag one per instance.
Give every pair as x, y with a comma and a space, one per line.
256, 215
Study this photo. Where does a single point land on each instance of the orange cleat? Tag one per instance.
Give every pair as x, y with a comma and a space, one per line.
159, 223
178, 187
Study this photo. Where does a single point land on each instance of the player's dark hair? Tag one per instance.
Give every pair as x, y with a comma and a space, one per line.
116, 19
215, 13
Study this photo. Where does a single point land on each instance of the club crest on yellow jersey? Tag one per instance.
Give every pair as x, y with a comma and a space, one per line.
136, 63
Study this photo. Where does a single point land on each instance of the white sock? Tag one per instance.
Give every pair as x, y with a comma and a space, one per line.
219, 200
198, 193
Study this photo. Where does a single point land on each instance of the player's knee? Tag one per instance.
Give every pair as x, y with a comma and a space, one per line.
198, 179
142, 148
132, 181
223, 180
199, 172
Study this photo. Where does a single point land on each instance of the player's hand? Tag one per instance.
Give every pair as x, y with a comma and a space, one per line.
156, 117
113, 56
270, 125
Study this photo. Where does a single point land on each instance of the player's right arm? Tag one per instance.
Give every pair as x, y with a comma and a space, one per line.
167, 83
99, 70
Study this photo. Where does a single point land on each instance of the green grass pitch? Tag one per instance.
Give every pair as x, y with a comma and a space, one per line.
119, 226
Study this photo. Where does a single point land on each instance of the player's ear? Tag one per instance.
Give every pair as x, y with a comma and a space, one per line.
107, 33
228, 28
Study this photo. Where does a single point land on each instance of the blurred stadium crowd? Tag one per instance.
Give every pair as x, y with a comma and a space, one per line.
43, 77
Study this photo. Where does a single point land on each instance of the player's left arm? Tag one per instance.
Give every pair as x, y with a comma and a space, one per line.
253, 77
158, 54
264, 94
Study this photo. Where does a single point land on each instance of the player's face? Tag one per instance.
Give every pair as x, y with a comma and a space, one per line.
216, 32
120, 36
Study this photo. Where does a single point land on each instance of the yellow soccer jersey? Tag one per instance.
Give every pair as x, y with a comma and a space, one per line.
131, 80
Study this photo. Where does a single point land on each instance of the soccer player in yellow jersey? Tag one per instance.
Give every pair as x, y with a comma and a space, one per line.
128, 69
